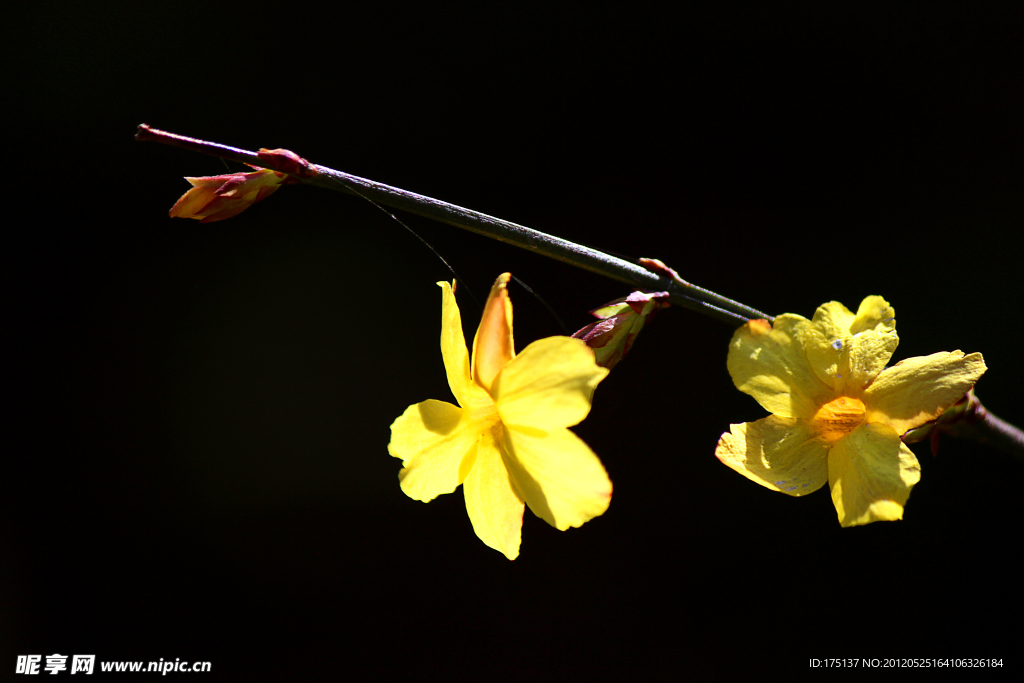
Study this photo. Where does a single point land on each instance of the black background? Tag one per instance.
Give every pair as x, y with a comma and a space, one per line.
199, 413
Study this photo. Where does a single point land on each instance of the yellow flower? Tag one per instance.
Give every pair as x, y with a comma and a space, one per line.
837, 414
508, 442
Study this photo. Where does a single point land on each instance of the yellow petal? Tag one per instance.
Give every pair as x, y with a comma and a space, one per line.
561, 479
493, 346
436, 442
455, 355
779, 453
769, 364
868, 354
549, 385
495, 509
872, 313
871, 473
833, 319
920, 389
846, 351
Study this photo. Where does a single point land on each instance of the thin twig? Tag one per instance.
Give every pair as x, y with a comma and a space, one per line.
981, 425
680, 292
969, 419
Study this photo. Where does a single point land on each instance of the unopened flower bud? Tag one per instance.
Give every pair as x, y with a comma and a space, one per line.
620, 322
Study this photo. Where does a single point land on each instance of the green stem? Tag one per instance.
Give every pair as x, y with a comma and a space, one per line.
680, 292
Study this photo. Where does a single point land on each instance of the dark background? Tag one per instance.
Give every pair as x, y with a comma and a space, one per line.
199, 413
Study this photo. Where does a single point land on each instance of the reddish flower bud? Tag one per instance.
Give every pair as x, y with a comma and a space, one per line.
621, 321
214, 198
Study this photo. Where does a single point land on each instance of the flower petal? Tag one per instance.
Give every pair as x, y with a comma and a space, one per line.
873, 312
868, 353
871, 473
548, 386
493, 346
494, 508
769, 364
920, 389
455, 355
561, 479
777, 452
833, 319
846, 351
437, 442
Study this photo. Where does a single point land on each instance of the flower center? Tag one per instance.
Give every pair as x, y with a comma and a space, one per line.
487, 414
837, 418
